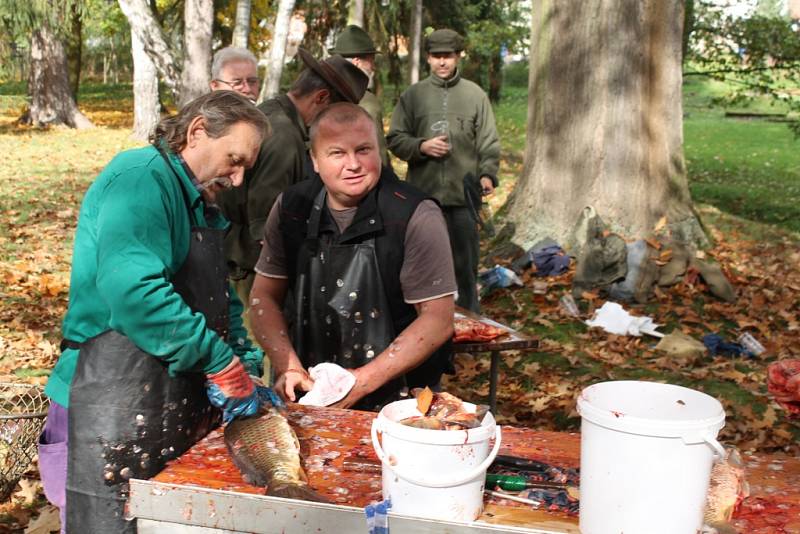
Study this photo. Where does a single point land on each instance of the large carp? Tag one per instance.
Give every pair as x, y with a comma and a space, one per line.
266, 450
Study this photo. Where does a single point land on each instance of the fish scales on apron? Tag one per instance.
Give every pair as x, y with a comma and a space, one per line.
127, 416
342, 312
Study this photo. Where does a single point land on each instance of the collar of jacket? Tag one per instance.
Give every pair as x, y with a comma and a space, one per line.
187, 180
291, 111
439, 82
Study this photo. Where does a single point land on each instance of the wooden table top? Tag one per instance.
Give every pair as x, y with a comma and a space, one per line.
329, 435
511, 340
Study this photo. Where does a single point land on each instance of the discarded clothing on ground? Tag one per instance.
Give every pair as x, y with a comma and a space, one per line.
498, 276
331, 384
715, 279
613, 318
601, 261
681, 345
673, 271
716, 345
641, 276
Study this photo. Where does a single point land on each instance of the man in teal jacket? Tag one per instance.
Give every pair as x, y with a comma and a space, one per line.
149, 325
444, 128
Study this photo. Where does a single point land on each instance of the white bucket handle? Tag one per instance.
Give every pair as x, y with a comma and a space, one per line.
474, 473
711, 441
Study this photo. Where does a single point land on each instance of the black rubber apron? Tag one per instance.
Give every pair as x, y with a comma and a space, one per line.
127, 416
342, 313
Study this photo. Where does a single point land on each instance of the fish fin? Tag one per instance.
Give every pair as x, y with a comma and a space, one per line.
295, 491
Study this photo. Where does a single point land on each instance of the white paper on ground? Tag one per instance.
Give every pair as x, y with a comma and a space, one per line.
331, 384
613, 318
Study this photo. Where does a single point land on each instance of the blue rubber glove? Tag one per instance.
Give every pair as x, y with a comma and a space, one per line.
232, 406
268, 396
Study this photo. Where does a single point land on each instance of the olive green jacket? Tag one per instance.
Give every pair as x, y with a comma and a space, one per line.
372, 104
471, 130
282, 161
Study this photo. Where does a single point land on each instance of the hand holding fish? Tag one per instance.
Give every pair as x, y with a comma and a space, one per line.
290, 380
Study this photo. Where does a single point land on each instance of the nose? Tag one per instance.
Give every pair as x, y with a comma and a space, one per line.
237, 177
352, 161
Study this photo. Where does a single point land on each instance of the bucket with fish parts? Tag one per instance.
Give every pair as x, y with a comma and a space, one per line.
646, 455
435, 474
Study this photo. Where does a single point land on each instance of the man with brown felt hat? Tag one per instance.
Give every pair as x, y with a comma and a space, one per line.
283, 159
355, 45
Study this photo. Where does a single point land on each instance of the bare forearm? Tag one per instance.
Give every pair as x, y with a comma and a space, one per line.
269, 325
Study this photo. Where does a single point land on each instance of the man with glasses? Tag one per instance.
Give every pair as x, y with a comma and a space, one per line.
235, 69
283, 159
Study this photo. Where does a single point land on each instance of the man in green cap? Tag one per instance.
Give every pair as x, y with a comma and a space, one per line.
443, 126
355, 45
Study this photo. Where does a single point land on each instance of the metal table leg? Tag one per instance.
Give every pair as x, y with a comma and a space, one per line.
493, 370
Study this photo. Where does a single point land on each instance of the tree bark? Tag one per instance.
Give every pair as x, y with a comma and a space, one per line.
604, 122
75, 48
356, 13
146, 106
416, 42
272, 80
241, 30
196, 74
144, 24
52, 102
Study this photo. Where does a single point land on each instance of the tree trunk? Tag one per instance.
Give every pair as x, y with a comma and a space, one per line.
604, 122
416, 42
144, 24
495, 77
272, 80
75, 48
48, 84
241, 30
356, 13
196, 75
146, 107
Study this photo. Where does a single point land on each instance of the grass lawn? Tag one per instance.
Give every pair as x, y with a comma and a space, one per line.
742, 175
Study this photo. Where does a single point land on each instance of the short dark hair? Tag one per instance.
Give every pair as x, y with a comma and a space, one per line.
220, 110
342, 114
310, 82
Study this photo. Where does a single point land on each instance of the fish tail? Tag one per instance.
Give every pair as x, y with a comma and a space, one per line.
295, 491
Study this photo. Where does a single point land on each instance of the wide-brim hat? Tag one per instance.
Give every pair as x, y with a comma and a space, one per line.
444, 41
353, 41
345, 78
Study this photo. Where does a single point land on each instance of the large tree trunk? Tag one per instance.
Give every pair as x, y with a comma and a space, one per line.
416, 42
75, 48
242, 28
272, 80
196, 75
144, 24
604, 122
146, 107
52, 102
356, 13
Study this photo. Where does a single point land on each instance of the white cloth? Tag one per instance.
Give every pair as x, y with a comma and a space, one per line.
331, 384
613, 318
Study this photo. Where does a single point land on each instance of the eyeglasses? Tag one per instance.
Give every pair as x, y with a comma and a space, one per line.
240, 83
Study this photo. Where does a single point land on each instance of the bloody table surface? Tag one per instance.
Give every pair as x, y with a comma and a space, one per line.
328, 436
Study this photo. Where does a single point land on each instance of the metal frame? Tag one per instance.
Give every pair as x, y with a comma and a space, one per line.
164, 508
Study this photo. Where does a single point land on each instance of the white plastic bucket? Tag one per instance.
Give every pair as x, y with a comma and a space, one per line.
435, 474
646, 456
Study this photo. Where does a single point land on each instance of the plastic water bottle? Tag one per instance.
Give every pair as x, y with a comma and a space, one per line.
751, 344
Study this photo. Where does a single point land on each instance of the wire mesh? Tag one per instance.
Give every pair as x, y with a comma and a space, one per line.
23, 408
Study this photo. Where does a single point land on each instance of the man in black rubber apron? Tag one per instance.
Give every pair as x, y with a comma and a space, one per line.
367, 259
153, 344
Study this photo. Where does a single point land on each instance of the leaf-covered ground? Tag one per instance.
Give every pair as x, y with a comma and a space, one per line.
46, 173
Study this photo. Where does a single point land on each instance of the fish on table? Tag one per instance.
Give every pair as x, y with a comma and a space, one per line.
267, 452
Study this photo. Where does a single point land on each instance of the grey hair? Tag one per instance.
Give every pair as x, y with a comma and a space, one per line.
219, 110
228, 54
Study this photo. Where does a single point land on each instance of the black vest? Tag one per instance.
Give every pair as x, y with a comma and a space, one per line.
383, 215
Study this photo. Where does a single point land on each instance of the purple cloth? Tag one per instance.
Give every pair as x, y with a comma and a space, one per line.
53, 459
550, 261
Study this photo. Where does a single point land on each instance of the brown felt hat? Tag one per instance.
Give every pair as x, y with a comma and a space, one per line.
353, 41
345, 78
444, 41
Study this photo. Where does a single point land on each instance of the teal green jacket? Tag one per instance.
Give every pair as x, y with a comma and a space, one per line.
132, 238
470, 126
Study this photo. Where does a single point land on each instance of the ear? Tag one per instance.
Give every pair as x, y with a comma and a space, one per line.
196, 129
322, 96
313, 160
214, 85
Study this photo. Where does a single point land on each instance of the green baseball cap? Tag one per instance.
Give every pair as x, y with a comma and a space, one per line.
444, 41
353, 41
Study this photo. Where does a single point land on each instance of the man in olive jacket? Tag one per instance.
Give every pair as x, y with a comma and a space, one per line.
444, 128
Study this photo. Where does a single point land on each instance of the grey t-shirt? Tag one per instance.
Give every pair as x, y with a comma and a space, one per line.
427, 271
